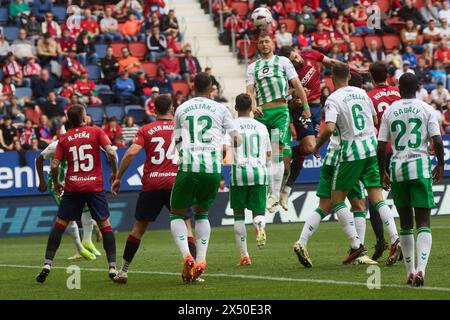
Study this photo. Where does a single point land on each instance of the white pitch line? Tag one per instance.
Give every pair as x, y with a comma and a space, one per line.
249, 277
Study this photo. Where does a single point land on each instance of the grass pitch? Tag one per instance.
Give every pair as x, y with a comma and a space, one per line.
275, 273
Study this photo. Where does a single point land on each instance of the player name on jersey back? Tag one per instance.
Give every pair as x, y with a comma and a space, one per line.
408, 123
160, 168
201, 125
249, 159
352, 111
81, 148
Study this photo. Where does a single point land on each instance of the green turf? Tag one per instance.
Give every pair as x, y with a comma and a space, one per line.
159, 254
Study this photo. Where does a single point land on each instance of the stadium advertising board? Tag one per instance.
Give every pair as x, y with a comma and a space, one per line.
19, 178
35, 215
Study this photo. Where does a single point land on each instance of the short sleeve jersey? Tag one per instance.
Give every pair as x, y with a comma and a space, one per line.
81, 148
309, 73
201, 124
352, 111
249, 159
408, 123
270, 78
160, 170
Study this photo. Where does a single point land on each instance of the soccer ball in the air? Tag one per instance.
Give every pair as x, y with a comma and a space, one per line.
261, 17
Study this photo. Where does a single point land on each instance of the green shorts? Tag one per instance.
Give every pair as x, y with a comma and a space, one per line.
326, 180
249, 197
194, 188
417, 193
349, 172
278, 118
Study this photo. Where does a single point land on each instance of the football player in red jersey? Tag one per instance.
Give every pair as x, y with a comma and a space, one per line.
83, 185
160, 170
308, 65
382, 96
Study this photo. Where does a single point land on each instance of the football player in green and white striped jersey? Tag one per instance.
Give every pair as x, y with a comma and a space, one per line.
356, 197
200, 127
409, 123
249, 176
268, 83
350, 112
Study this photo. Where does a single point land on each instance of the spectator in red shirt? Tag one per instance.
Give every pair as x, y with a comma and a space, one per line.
300, 38
26, 134
13, 69
354, 56
112, 128
89, 24
442, 53
327, 23
32, 69
150, 105
67, 89
71, 67
171, 64
233, 23
278, 10
66, 42
359, 18
321, 39
50, 26
87, 90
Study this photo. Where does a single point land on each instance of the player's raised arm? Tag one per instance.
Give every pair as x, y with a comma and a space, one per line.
331, 113
54, 167
329, 62
257, 111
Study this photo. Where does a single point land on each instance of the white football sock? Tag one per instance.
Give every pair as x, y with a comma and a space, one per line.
347, 222
388, 219
88, 225
202, 234
240, 234
277, 178
407, 244
360, 224
72, 229
311, 225
424, 241
179, 233
287, 189
259, 218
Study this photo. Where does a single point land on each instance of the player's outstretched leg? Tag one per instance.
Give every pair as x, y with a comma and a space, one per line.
180, 234
53, 242
109, 244
73, 230
88, 226
389, 222
202, 233
240, 235
191, 240
131, 247
273, 200
311, 225
377, 226
259, 222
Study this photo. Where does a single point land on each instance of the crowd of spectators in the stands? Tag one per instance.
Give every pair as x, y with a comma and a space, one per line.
114, 57
410, 36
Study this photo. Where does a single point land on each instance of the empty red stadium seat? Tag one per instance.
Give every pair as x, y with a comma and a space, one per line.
359, 41
117, 48
418, 4
150, 68
138, 49
180, 86
391, 41
395, 22
369, 38
241, 7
